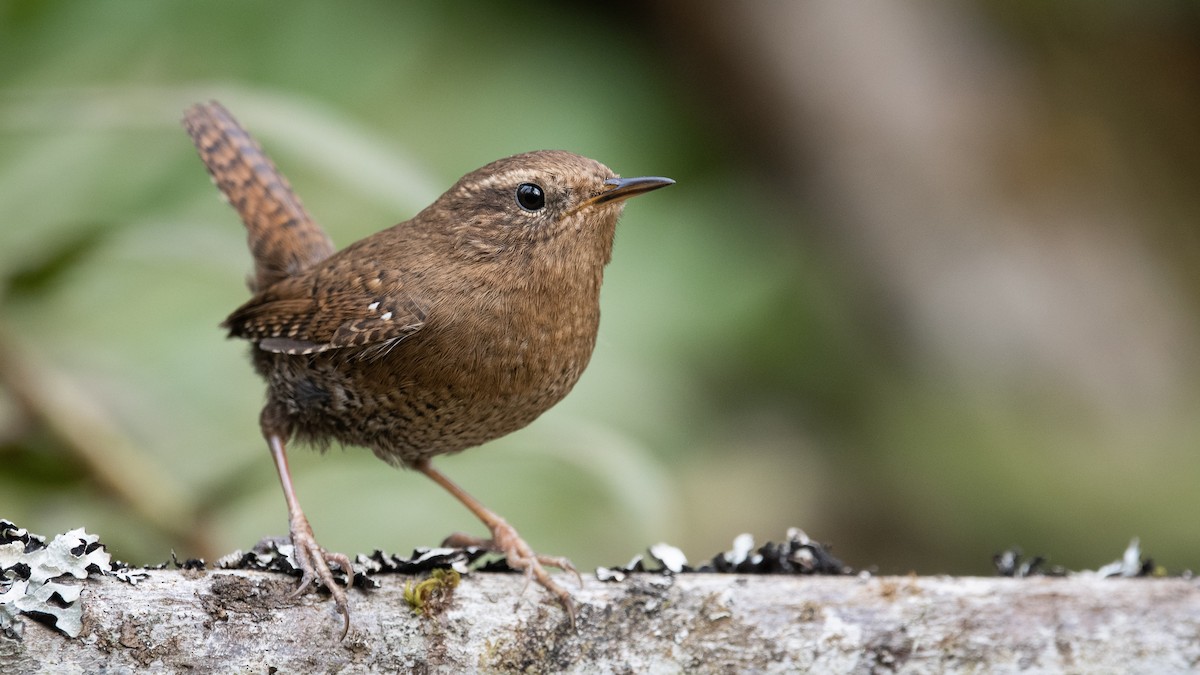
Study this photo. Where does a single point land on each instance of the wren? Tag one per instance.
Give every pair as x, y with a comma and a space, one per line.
441, 333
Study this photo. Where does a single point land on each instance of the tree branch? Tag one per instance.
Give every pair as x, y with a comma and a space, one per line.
245, 621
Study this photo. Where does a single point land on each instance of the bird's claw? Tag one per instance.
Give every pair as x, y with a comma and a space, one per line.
314, 561
522, 558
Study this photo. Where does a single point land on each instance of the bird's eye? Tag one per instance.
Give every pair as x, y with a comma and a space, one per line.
530, 197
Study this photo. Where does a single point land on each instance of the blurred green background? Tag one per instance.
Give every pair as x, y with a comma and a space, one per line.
927, 286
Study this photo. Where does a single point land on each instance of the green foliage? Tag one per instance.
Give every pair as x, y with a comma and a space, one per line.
744, 379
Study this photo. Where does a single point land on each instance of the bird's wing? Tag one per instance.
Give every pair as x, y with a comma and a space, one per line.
290, 318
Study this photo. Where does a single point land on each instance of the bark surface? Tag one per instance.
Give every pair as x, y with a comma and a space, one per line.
237, 621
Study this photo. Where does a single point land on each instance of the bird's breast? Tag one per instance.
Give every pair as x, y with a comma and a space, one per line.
533, 345
486, 363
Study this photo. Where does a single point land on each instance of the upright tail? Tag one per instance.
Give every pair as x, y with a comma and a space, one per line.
283, 238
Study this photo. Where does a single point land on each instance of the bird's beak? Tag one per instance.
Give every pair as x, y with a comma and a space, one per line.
617, 189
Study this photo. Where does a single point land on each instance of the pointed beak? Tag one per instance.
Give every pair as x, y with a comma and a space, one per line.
617, 189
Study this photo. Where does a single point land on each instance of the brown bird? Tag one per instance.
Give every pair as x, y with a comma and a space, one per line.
435, 335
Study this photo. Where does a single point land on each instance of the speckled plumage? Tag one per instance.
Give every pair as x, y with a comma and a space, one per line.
443, 332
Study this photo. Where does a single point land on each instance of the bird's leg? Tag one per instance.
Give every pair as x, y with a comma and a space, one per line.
505, 540
313, 560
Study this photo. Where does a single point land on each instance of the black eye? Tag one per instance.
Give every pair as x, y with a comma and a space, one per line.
530, 197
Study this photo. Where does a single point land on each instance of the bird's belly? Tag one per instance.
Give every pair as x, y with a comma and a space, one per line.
408, 405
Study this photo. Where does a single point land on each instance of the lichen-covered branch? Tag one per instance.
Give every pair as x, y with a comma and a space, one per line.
245, 621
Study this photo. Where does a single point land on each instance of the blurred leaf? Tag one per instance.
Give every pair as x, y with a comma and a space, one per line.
37, 277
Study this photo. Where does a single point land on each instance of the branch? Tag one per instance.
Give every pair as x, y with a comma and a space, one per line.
246, 621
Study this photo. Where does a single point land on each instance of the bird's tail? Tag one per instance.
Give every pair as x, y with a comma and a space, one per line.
283, 238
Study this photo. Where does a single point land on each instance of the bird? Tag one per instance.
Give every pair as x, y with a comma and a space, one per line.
441, 333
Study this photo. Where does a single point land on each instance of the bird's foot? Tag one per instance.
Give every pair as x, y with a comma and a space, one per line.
314, 562
522, 558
